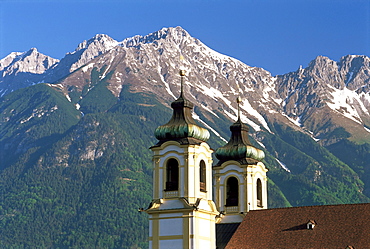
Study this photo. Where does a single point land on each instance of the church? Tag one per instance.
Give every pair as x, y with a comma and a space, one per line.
198, 204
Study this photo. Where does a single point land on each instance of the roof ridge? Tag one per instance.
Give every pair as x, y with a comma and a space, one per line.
315, 206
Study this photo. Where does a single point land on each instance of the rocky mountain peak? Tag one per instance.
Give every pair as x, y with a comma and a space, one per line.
6, 61
85, 52
176, 34
324, 71
31, 61
355, 71
99, 40
152, 62
30, 52
320, 65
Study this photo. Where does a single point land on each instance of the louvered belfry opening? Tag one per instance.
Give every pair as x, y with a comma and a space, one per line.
259, 193
172, 175
232, 192
202, 176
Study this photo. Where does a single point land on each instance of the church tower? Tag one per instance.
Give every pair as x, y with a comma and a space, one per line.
240, 176
182, 213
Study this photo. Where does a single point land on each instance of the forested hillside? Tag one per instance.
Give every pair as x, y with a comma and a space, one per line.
73, 180
80, 186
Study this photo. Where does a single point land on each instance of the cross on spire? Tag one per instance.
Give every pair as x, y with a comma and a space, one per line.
182, 74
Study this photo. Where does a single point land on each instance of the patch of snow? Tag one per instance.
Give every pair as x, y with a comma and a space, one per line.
278, 101
284, 103
232, 116
272, 111
214, 94
26, 120
260, 143
269, 88
367, 129
39, 114
3, 93
69, 99
349, 77
218, 95
60, 86
297, 121
106, 70
316, 139
249, 109
196, 117
165, 83
343, 101
283, 165
209, 110
78, 106
312, 136
244, 119
87, 67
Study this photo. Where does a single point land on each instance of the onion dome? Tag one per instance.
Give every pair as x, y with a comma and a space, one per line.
239, 148
182, 127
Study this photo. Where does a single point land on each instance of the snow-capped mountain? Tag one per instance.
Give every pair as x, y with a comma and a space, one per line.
20, 70
151, 64
328, 100
328, 92
85, 51
28, 62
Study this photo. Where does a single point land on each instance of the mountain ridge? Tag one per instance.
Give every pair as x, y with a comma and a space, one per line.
296, 95
80, 145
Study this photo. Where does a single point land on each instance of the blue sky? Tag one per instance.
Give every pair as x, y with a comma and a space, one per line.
277, 35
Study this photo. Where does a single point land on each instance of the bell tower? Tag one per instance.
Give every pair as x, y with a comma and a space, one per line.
240, 175
182, 213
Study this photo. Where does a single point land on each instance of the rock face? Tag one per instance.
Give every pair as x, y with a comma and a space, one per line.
20, 70
316, 100
85, 51
328, 100
28, 62
78, 145
327, 95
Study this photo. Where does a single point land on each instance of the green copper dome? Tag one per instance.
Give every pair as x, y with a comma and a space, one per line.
178, 131
182, 124
239, 147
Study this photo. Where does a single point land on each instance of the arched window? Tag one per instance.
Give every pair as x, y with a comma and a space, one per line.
172, 175
232, 192
259, 193
202, 176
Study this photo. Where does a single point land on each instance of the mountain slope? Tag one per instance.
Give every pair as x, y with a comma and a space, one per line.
75, 164
327, 95
83, 188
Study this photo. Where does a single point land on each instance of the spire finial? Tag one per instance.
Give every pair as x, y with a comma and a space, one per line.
182, 74
182, 125
238, 100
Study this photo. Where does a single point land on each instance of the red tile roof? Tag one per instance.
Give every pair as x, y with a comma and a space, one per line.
336, 226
